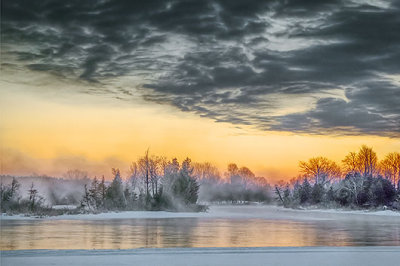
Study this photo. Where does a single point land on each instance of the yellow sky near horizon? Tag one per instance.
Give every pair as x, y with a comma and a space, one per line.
50, 133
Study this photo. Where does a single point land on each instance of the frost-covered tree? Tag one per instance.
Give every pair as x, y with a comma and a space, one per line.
171, 170
8, 193
180, 188
305, 191
206, 172
115, 196
186, 185
86, 201
233, 174
317, 193
35, 200
96, 191
76, 174
155, 172
102, 189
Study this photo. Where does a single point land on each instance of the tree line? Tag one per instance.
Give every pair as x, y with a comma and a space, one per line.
156, 183
362, 181
153, 183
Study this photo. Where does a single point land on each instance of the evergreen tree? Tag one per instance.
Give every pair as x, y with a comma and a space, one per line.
317, 193
86, 200
115, 192
305, 191
95, 194
286, 196
102, 189
8, 193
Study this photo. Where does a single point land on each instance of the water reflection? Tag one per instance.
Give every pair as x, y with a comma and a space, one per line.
196, 232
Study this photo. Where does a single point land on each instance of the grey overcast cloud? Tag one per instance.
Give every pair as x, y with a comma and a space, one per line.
314, 67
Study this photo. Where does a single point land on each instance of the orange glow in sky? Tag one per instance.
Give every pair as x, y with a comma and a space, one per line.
92, 87
51, 133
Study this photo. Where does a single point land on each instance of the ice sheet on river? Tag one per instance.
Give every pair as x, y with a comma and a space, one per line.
344, 256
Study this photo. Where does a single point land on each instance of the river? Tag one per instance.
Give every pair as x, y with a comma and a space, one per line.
222, 226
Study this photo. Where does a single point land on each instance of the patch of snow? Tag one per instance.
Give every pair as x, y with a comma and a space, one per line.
61, 207
363, 212
218, 211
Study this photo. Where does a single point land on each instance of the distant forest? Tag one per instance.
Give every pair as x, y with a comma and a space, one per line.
155, 183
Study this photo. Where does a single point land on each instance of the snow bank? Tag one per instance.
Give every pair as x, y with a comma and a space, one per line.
231, 212
327, 256
343, 211
61, 207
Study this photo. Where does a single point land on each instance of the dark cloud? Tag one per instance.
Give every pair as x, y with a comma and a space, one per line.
242, 62
331, 114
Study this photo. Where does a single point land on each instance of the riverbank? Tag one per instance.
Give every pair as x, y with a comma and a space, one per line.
219, 211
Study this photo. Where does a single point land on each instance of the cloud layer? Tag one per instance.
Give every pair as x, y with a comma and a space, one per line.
242, 62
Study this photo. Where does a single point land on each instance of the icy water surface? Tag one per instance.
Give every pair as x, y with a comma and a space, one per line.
251, 226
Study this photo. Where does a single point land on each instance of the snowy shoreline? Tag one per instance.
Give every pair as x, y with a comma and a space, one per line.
209, 256
217, 211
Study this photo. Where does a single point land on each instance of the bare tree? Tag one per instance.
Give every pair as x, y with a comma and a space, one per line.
321, 169
233, 174
367, 161
390, 167
134, 178
206, 172
76, 174
246, 175
155, 172
144, 168
350, 162
232, 169
364, 162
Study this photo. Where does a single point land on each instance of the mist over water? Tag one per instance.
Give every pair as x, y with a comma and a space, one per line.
224, 226
54, 191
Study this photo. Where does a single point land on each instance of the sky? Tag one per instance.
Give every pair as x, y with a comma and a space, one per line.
93, 84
